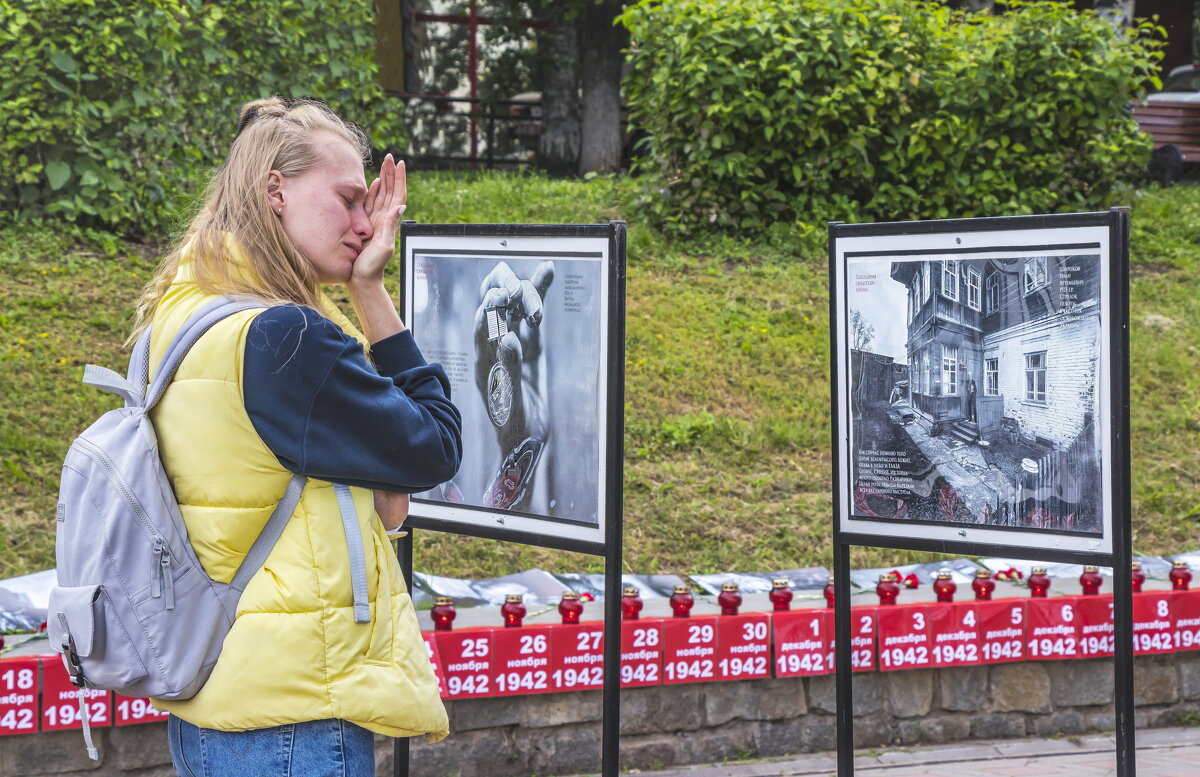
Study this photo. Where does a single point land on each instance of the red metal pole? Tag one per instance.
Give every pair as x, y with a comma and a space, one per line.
473, 75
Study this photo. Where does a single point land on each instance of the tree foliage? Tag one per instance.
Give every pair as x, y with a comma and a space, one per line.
870, 110
111, 111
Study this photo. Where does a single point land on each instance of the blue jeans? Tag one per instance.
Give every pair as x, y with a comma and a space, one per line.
315, 748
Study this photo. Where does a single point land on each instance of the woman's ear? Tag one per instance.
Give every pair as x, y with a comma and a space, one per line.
275, 191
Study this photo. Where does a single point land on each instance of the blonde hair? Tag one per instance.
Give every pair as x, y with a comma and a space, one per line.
276, 134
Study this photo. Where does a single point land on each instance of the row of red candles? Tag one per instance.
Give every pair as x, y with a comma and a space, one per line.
467, 669
730, 599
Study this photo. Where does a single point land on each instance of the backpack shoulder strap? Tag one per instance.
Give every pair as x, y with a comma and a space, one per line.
191, 331
270, 534
131, 388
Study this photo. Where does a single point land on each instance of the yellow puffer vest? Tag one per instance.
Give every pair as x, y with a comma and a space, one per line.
294, 652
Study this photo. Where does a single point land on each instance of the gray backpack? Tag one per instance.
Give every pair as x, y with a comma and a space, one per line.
133, 610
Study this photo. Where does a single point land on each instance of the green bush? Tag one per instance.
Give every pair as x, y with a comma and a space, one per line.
869, 110
111, 111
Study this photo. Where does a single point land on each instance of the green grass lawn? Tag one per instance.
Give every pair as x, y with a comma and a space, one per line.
727, 390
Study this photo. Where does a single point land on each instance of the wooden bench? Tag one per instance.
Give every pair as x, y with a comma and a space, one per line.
1172, 124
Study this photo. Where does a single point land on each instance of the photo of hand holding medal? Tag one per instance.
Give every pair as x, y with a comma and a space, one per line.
508, 371
520, 336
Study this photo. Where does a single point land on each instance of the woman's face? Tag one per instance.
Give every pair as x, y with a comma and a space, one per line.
323, 210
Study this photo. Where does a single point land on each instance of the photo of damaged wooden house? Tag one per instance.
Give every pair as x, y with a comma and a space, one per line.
975, 389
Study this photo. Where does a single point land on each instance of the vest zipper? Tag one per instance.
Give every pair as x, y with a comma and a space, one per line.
160, 574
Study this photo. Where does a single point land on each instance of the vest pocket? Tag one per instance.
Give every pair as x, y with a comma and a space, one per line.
84, 628
381, 648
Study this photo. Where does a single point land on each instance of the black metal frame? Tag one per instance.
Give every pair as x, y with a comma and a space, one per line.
611, 549
1117, 222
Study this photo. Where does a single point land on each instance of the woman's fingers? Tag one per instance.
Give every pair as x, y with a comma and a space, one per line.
401, 178
371, 203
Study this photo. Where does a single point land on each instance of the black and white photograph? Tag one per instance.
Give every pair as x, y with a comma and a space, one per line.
974, 389
521, 334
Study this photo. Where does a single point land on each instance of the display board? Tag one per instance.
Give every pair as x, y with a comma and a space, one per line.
522, 319
981, 407
528, 321
974, 374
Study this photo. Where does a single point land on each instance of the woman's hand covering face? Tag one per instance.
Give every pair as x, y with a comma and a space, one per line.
384, 205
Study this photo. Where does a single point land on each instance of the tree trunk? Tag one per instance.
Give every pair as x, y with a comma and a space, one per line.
558, 145
601, 43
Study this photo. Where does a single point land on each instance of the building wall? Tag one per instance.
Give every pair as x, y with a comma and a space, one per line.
1072, 351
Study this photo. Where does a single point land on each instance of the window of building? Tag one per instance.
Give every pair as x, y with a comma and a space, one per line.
949, 371
1035, 273
914, 374
1035, 376
926, 384
971, 280
991, 377
950, 279
927, 284
995, 291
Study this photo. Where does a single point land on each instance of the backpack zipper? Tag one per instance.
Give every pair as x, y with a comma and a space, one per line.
160, 574
164, 568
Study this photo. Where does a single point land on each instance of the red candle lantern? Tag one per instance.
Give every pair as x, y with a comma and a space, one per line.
781, 594
1039, 582
682, 601
1138, 577
443, 613
631, 603
830, 592
512, 610
944, 586
983, 585
570, 608
1091, 580
888, 589
1180, 576
729, 599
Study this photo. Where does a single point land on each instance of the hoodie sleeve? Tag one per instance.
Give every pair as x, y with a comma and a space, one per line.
327, 413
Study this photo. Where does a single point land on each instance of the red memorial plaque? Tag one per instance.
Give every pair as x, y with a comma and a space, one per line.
904, 641
466, 662
954, 629
1185, 606
1153, 631
744, 647
1053, 630
863, 626
521, 660
19, 695
1096, 629
129, 711
690, 649
431, 650
641, 653
1002, 630
60, 700
802, 639
577, 656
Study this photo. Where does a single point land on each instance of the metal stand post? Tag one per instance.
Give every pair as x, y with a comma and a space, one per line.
610, 742
404, 554
844, 671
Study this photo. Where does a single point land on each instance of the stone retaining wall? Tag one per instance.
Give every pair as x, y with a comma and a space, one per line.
558, 734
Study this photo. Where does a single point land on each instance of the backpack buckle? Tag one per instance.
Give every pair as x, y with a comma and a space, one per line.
71, 662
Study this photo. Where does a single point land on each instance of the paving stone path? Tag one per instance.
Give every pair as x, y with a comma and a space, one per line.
1169, 752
